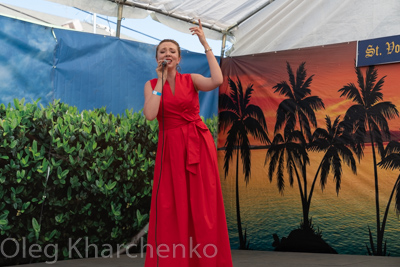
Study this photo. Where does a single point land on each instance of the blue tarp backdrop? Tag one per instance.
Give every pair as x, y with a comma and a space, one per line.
26, 60
82, 69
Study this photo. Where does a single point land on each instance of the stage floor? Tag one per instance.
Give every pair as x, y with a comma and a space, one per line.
250, 258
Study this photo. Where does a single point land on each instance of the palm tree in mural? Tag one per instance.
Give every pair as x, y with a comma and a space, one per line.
367, 118
391, 160
299, 106
337, 144
334, 141
290, 149
243, 118
297, 111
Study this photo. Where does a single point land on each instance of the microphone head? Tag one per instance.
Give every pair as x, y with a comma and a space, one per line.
165, 62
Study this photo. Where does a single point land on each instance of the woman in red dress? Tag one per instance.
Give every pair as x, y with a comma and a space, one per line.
187, 218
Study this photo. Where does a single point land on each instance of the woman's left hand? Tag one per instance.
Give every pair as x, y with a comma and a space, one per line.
200, 33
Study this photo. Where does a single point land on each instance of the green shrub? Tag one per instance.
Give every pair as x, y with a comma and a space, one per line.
212, 124
66, 175
71, 179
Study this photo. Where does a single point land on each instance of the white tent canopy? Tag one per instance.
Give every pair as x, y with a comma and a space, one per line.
256, 26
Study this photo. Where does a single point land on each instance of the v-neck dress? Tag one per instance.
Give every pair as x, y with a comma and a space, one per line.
187, 216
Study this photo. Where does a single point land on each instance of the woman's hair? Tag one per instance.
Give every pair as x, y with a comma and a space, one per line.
170, 41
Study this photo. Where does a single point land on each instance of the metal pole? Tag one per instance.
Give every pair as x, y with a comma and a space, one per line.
94, 22
223, 45
120, 7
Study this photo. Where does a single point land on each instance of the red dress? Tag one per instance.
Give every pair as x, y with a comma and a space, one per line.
191, 224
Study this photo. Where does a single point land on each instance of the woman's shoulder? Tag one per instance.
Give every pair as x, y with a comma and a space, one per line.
188, 76
152, 82
184, 75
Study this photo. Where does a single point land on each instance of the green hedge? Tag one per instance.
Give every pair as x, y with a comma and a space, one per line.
66, 175
71, 179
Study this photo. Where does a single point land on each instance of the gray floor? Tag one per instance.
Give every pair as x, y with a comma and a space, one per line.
248, 259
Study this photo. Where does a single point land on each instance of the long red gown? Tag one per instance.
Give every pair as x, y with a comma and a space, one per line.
190, 220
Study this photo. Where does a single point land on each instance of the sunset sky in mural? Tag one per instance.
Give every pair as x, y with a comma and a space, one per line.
332, 67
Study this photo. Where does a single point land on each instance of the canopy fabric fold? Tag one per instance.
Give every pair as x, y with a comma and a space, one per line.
257, 26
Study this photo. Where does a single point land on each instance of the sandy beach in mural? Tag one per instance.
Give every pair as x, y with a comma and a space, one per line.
343, 219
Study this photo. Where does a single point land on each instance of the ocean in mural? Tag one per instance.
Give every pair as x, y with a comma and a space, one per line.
343, 219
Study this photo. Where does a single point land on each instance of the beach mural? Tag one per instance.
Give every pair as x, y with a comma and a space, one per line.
309, 152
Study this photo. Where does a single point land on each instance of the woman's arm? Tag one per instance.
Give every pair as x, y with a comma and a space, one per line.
151, 101
200, 82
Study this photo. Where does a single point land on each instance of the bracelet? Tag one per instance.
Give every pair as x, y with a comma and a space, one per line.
208, 49
156, 93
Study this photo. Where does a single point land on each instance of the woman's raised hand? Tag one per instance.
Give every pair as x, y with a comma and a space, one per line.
200, 33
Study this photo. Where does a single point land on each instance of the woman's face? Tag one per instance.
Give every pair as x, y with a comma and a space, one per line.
168, 51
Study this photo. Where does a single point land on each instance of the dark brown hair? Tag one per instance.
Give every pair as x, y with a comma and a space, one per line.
170, 41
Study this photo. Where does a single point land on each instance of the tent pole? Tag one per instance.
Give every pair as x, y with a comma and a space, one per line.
120, 7
223, 45
94, 22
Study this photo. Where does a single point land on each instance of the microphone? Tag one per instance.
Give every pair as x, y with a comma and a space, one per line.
164, 63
